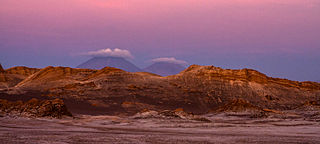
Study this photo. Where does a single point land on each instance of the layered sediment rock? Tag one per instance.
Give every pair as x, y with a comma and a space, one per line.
239, 105
35, 108
198, 89
21, 70
169, 114
12, 76
54, 76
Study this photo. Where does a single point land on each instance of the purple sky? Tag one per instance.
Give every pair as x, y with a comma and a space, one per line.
278, 37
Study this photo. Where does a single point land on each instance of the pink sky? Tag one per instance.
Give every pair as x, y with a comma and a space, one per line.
248, 22
168, 28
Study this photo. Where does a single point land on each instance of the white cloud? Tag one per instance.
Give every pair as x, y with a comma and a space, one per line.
169, 60
110, 52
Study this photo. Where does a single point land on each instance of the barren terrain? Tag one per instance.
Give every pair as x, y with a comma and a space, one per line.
113, 129
202, 104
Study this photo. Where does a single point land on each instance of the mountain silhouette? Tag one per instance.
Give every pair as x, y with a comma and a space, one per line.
116, 62
164, 68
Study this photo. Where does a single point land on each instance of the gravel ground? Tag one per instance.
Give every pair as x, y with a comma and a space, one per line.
112, 129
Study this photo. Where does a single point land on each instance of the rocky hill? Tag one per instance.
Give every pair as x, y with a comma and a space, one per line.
12, 76
22, 70
164, 68
197, 89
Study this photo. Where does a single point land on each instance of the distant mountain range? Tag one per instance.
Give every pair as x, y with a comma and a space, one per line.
164, 68
116, 62
159, 68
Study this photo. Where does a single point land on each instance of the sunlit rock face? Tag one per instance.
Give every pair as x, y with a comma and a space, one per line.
12, 76
116, 62
21, 70
197, 89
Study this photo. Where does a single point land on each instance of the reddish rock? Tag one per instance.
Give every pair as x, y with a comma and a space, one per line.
1, 69
35, 108
197, 89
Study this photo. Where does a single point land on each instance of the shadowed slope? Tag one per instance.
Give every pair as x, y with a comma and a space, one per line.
1, 68
2, 76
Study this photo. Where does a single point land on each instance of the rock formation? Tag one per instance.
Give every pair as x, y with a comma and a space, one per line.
13, 76
169, 114
197, 89
239, 105
35, 108
50, 77
22, 70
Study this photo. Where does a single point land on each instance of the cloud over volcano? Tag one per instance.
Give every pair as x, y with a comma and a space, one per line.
169, 60
110, 53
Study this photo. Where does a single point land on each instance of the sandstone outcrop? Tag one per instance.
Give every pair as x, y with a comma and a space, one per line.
197, 89
54, 76
239, 105
35, 108
246, 75
22, 70
12, 76
169, 114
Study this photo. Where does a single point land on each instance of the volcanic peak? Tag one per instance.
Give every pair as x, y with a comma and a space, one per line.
117, 62
164, 68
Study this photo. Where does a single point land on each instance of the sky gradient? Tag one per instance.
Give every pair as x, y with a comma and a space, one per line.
280, 38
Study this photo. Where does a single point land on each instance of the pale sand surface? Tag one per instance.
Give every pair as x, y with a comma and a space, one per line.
112, 129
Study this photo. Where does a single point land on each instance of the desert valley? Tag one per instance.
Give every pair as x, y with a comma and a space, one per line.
159, 71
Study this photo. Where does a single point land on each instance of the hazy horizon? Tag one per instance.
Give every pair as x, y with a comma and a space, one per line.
277, 37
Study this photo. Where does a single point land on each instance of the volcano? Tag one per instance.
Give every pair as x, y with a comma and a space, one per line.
116, 62
164, 68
